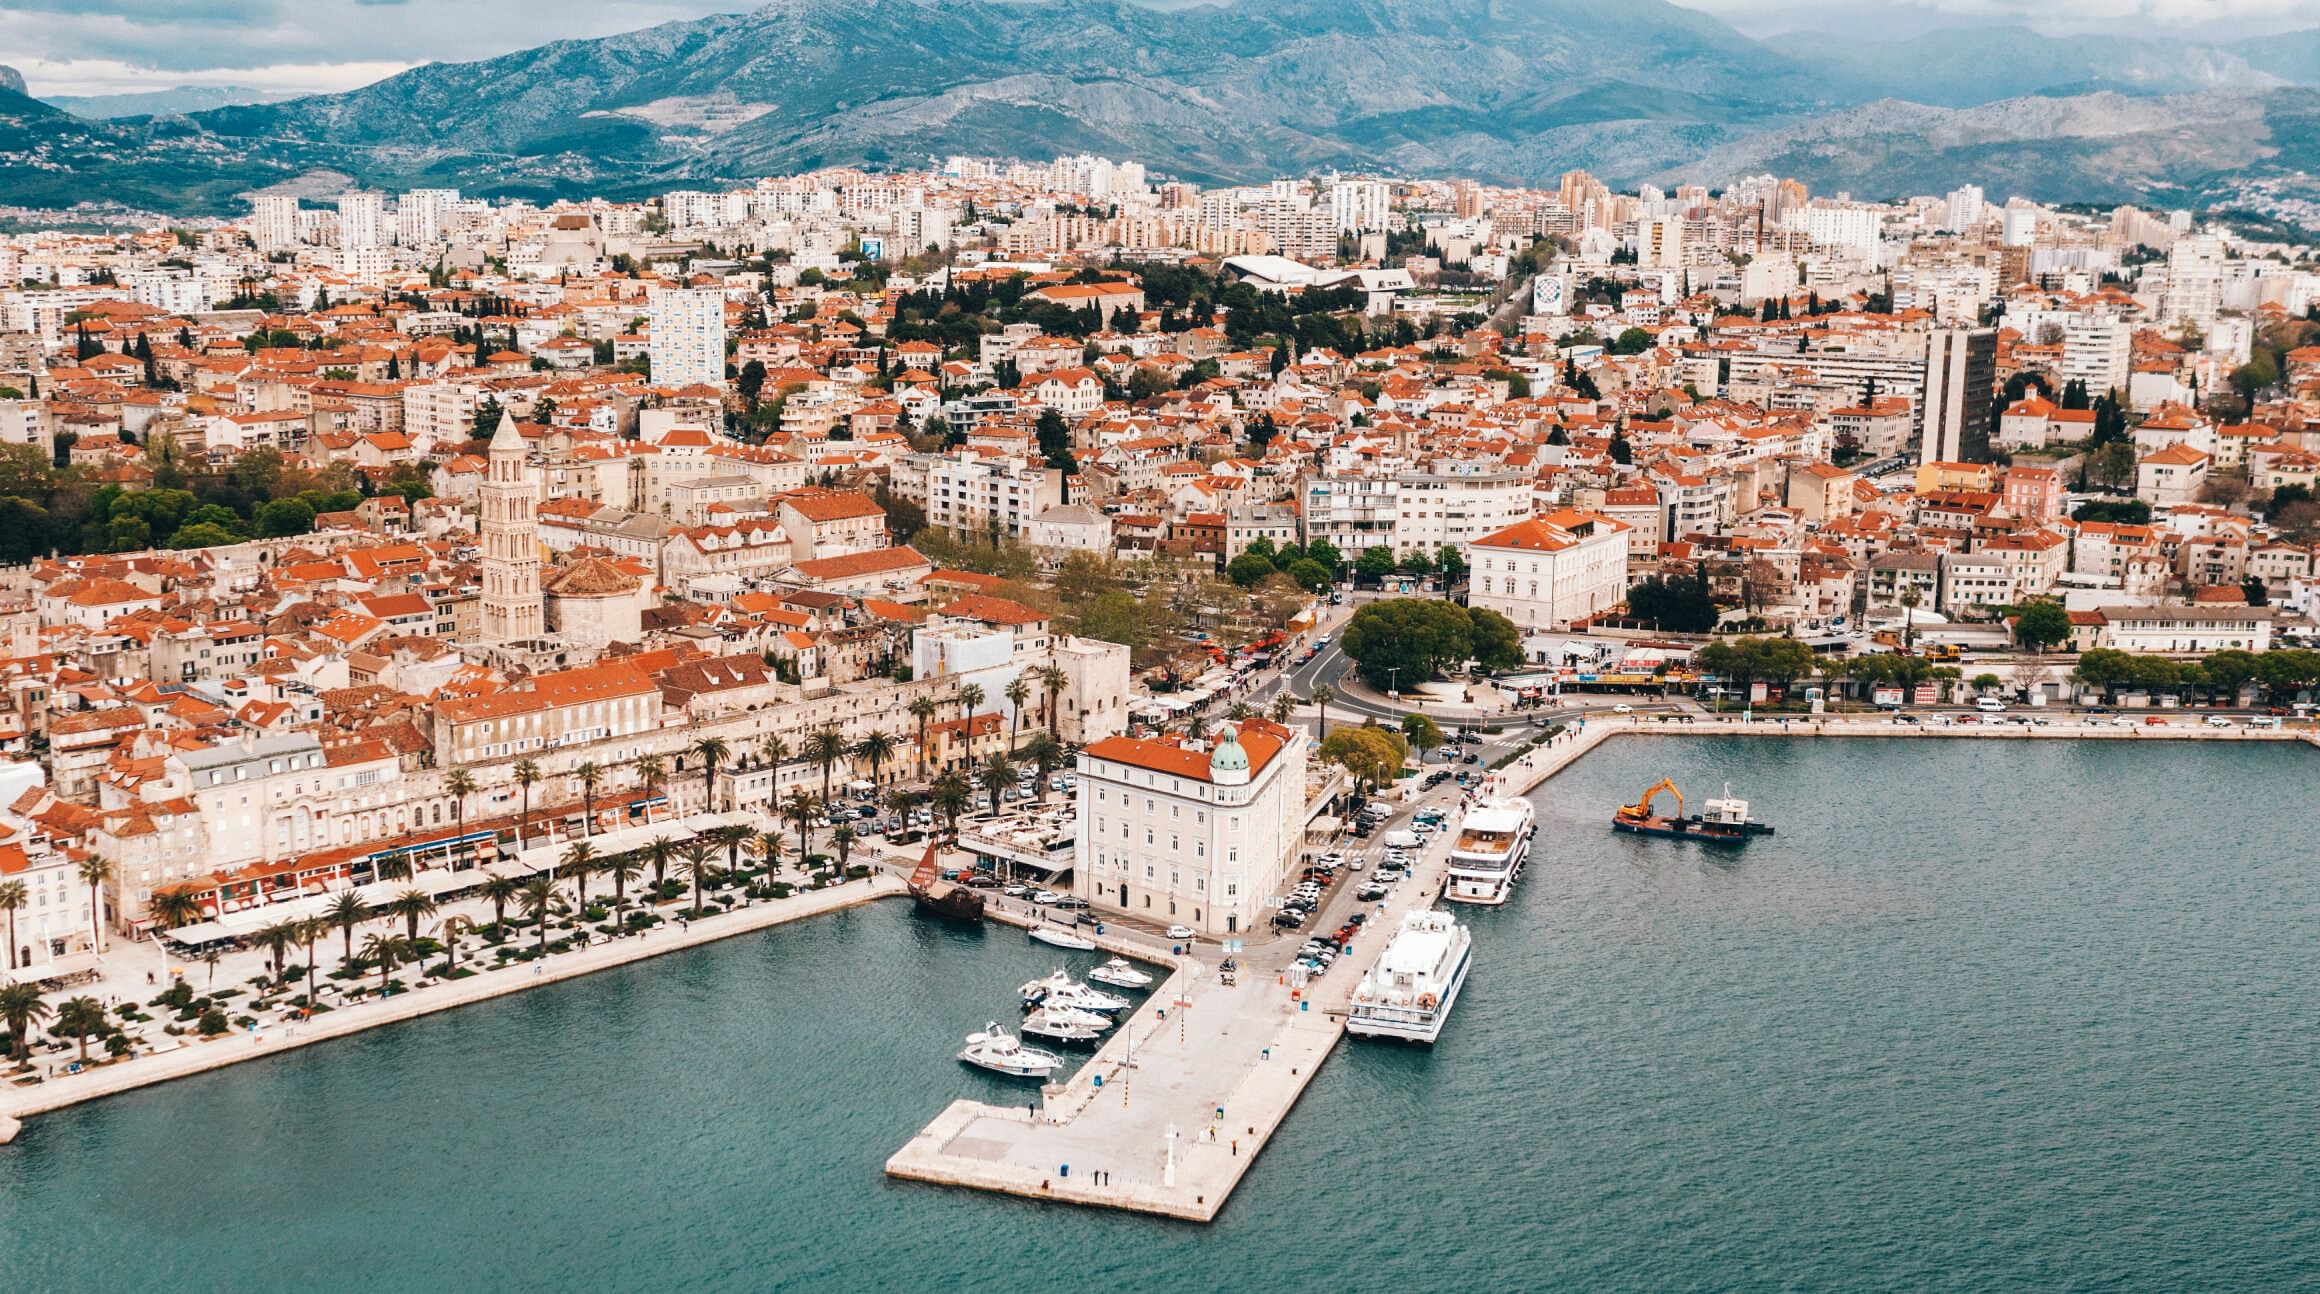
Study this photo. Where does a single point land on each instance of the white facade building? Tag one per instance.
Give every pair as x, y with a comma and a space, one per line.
1553, 569
362, 219
688, 337
1178, 834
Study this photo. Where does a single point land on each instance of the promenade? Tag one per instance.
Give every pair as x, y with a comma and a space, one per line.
195, 1057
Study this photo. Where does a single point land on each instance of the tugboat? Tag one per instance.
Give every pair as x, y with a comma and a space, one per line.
1726, 821
942, 898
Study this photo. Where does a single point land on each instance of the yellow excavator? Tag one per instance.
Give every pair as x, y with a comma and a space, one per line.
1640, 811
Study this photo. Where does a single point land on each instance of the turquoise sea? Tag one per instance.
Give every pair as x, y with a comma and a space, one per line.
1982, 1016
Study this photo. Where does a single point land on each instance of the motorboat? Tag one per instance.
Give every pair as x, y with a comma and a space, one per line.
1409, 992
1065, 1024
1120, 973
1063, 937
1060, 989
997, 1050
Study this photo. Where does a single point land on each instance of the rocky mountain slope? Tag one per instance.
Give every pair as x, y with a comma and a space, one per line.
1512, 90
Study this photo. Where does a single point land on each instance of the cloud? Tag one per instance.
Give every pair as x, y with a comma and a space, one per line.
131, 45
111, 76
1888, 18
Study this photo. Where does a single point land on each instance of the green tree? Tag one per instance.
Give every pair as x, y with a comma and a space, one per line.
1310, 575
2041, 624
1404, 642
1497, 643
1372, 755
1422, 733
1248, 569
1375, 564
1673, 603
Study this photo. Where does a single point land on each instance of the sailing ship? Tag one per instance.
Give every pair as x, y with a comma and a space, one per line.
942, 898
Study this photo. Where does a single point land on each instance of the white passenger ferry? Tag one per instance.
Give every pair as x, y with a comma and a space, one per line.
1493, 840
1408, 994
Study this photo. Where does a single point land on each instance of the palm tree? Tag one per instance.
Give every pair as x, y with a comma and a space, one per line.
899, 804
310, 933
13, 897
1047, 756
588, 775
842, 840
210, 957
695, 866
731, 835
767, 847
1017, 691
387, 951
1241, 711
969, 696
98, 873
712, 752
1284, 706
276, 940
542, 900
650, 772
799, 810
952, 793
527, 773
393, 867
459, 785
1322, 696
454, 926
347, 911
773, 752
622, 868
923, 709
413, 906
21, 1008
579, 860
82, 1017
874, 749
826, 747
998, 775
500, 890
175, 907
1052, 680
658, 851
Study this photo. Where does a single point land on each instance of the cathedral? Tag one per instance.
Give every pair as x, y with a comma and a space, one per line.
532, 621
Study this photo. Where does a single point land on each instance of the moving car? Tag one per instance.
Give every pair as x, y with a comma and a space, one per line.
1180, 932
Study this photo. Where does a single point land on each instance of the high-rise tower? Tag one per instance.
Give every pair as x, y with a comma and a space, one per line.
511, 542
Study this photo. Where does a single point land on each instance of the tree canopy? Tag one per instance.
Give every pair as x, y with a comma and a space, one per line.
1410, 640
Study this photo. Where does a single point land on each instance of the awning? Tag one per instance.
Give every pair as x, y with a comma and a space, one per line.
80, 963
198, 934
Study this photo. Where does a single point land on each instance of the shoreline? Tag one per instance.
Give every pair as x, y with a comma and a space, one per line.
20, 1101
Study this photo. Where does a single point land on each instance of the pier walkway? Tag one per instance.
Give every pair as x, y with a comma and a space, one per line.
1247, 1051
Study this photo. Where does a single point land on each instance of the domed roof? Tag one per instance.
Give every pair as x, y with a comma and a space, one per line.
1229, 757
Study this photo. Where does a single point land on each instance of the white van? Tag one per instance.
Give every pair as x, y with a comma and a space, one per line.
1404, 839
1990, 705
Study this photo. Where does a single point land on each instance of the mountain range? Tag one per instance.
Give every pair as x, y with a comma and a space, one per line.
1507, 90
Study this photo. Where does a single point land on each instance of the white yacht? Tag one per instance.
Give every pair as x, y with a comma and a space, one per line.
1060, 989
1065, 1024
996, 1050
1062, 937
1119, 973
1408, 994
1494, 839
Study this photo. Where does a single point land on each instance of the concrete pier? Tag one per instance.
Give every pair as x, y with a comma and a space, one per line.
1247, 1051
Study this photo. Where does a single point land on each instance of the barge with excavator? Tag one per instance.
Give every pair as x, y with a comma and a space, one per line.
1725, 821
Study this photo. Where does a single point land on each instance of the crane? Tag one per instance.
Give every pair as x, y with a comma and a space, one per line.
1641, 809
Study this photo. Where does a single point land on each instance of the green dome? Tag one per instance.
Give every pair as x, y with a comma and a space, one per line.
1229, 757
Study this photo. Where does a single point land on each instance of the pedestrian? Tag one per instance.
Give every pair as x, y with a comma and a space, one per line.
1236, 1147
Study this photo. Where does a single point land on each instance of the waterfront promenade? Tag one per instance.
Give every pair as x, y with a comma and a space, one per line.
195, 1057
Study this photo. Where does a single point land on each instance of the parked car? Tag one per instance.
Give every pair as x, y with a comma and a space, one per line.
1016, 889
1044, 897
980, 881
1071, 903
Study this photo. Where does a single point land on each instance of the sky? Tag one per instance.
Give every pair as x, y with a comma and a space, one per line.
82, 47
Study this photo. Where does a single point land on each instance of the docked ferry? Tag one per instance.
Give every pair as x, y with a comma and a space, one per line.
1408, 994
1494, 838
